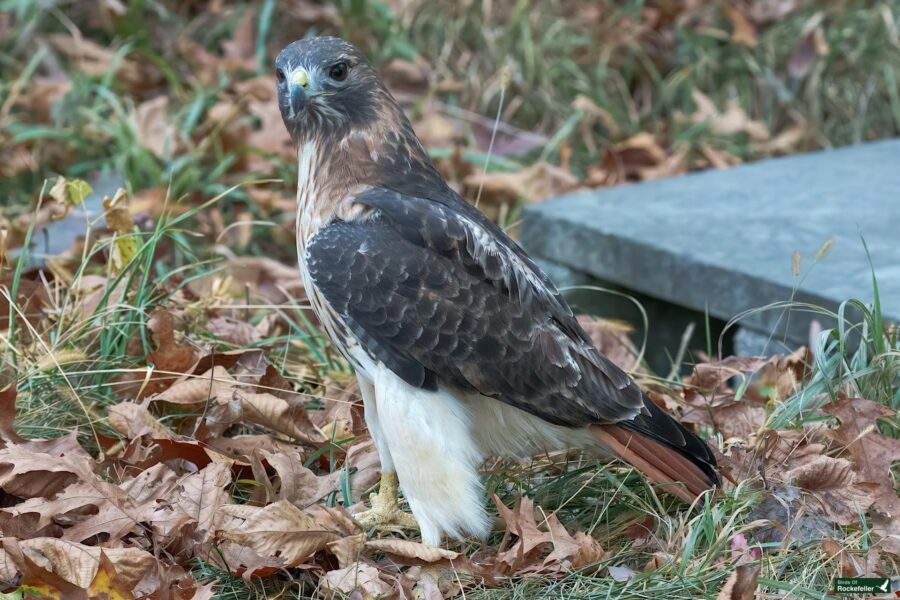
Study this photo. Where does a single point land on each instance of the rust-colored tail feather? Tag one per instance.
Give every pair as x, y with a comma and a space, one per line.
663, 450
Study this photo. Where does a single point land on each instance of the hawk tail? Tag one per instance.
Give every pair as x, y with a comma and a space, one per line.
662, 449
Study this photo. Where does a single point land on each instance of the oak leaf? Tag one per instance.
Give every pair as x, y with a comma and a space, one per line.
277, 530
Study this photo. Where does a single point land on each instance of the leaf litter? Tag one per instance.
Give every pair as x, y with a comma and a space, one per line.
217, 449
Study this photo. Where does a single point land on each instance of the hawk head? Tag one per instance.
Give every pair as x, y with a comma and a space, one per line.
325, 87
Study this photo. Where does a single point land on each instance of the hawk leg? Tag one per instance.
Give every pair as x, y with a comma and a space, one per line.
385, 504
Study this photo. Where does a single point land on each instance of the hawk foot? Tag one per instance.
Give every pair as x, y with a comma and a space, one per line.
385, 511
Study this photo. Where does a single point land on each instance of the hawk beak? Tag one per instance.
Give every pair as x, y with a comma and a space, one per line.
298, 86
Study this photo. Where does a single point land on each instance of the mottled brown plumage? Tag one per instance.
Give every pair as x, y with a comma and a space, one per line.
432, 301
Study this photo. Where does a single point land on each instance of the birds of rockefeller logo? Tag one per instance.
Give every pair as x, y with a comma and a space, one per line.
880, 586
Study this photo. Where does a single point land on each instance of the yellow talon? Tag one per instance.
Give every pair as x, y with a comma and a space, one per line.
385, 507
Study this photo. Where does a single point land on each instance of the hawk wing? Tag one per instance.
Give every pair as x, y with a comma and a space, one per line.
437, 292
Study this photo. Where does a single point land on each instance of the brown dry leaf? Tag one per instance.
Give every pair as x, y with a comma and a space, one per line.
78, 564
269, 279
742, 31
154, 482
280, 415
788, 141
298, 484
211, 385
348, 549
115, 515
8, 415
358, 578
404, 550
834, 551
277, 530
43, 583
612, 339
363, 457
152, 127
638, 158
134, 421
201, 495
873, 455
75, 499
42, 94
741, 584
169, 357
239, 333
28, 473
435, 130
242, 447
832, 482
547, 548
270, 135
532, 184
733, 120
107, 584
735, 420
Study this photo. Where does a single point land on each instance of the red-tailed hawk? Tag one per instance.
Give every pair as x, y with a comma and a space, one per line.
462, 345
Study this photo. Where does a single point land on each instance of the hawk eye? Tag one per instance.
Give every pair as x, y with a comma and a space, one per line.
279, 75
339, 71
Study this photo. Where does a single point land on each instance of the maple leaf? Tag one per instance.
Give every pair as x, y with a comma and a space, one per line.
298, 484
548, 549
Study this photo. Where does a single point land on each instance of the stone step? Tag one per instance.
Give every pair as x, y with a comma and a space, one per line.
724, 241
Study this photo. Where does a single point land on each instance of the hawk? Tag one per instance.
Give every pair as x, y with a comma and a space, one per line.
462, 346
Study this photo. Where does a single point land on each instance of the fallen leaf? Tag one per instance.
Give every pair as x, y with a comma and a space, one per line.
361, 577
733, 120
28, 473
872, 453
106, 583
407, 549
134, 420
742, 31
239, 333
539, 181
8, 414
832, 482
202, 494
277, 530
169, 357
297, 484
152, 127
834, 551
741, 584
78, 564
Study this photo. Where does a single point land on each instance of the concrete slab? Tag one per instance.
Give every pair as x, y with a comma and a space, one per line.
724, 240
